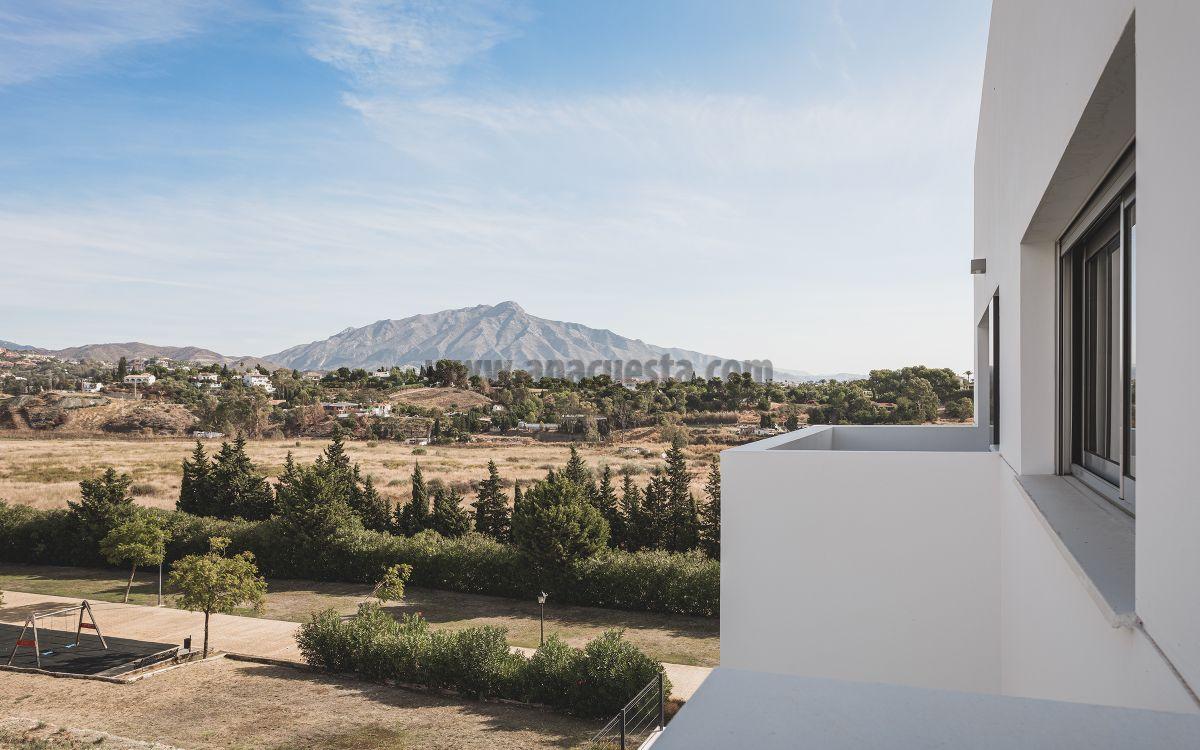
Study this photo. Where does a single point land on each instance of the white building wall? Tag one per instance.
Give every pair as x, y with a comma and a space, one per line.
1055, 642
1168, 321
1044, 59
1036, 162
877, 566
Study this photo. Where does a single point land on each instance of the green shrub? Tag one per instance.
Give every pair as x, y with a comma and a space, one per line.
552, 672
611, 672
477, 662
324, 643
474, 661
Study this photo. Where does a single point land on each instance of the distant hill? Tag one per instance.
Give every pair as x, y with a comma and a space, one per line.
503, 332
17, 347
138, 350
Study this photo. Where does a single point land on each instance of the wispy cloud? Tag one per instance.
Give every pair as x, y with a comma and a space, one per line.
50, 37
402, 45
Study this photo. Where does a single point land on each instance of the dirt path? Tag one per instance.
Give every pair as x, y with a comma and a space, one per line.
246, 635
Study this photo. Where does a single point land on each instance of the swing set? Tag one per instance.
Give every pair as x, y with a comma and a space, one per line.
57, 631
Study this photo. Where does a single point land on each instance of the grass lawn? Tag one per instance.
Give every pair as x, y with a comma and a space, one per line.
675, 639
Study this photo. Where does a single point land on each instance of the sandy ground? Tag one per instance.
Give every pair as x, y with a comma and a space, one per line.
45, 472
245, 635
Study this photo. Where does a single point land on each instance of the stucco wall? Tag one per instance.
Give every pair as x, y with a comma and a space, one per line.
1043, 62
1048, 128
1168, 268
868, 566
1055, 642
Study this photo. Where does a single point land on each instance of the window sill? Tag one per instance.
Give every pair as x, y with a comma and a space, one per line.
1095, 538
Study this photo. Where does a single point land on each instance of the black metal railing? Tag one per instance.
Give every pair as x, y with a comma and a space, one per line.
642, 717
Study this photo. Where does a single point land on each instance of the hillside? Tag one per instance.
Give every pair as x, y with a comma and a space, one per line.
440, 398
70, 412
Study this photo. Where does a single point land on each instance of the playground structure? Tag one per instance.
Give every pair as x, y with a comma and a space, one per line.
52, 631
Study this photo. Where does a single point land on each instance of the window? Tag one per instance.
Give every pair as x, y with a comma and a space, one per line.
994, 368
1099, 347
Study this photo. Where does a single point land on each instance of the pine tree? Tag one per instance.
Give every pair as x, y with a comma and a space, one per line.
491, 507
122, 369
238, 490
448, 517
413, 516
196, 490
373, 508
606, 502
104, 502
710, 515
313, 508
360, 492
555, 525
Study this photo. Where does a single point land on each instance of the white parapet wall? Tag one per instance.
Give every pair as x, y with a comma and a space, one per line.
878, 564
910, 555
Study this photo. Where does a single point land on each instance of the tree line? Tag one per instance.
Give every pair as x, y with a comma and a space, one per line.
570, 514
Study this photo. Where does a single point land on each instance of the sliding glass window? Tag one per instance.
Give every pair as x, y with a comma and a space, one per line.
1100, 351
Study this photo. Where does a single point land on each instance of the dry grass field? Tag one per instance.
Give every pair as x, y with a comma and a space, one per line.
229, 705
440, 398
45, 472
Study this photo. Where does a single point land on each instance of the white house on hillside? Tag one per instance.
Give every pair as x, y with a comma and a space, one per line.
258, 380
1032, 581
142, 378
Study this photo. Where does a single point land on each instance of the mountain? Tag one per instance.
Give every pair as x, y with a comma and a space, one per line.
18, 347
503, 332
138, 350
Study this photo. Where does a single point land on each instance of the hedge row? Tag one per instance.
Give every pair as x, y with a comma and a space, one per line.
687, 583
594, 681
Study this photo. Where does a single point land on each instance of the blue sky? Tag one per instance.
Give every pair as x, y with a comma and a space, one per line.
782, 180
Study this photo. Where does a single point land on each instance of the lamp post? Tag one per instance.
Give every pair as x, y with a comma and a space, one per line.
542, 618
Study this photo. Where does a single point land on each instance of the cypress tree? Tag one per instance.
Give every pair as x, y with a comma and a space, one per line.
606, 502
413, 516
710, 515
448, 517
682, 524
655, 527
633, 527
195, 490
578, 472
491, 507
517, 497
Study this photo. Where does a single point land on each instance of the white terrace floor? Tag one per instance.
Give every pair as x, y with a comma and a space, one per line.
254, 636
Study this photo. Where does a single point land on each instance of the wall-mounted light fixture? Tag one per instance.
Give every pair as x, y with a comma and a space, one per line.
978, 265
